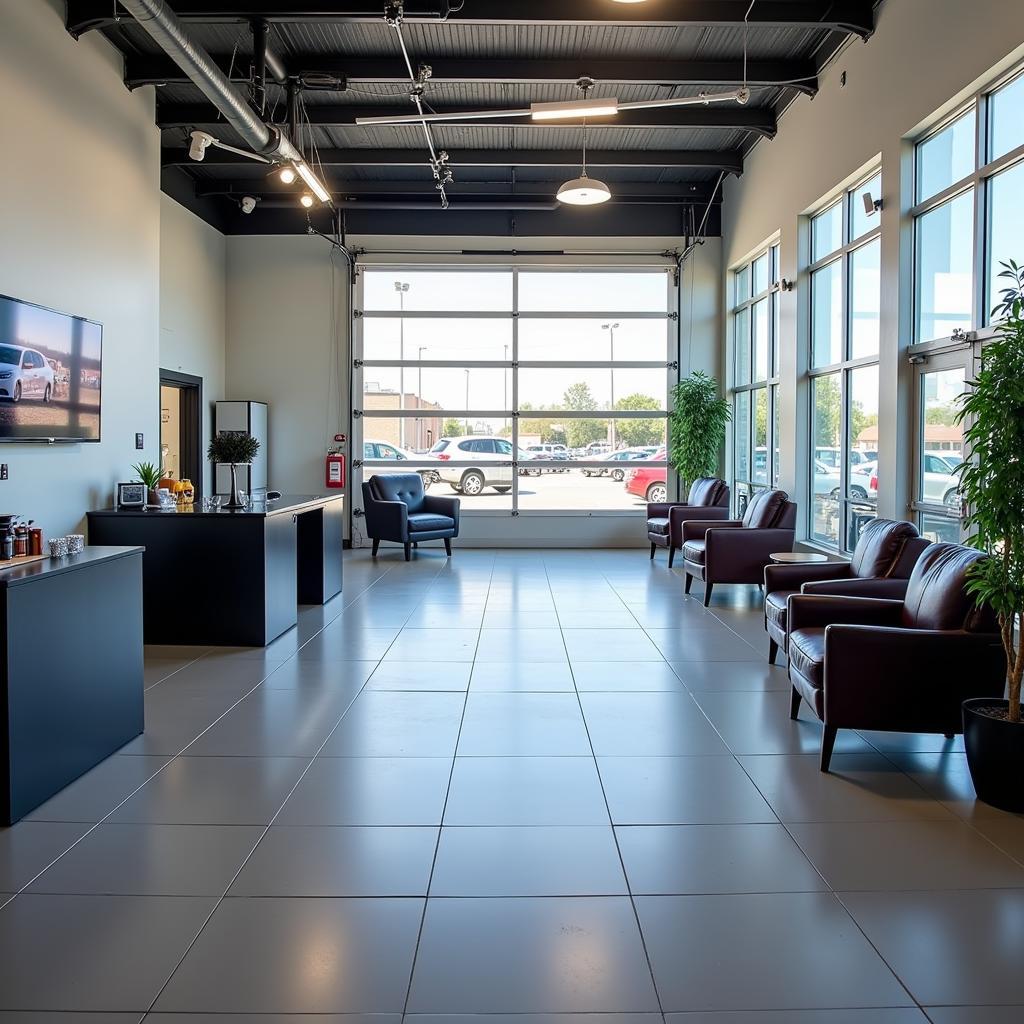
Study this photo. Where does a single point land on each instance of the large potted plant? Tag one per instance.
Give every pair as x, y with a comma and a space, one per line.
233, 449
696, 427
992, 484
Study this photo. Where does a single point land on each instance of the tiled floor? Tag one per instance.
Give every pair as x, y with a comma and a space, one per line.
541, 785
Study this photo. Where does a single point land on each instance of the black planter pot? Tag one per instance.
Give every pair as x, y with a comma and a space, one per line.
995, 755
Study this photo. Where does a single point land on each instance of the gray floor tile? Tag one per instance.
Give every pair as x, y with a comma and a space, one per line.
508, 618
333, 861
520, 645
433, 644
214, 791
298, 674
99, 790
27, 847
57, 1017
768, 943
615, 676
522, 677
712, 644
537, 861
523, 724
622, 645
667, 724
905, 1015
946, 777
348, 644
728, 676
533, 1018
911, 742
299, 956
882, 856
709, 859
531, 956
174, 719
392, 724
859, 787
271, 1018
525, 791
420, 675
102, 953
681, 791
152, 860
370, 791
974, 1014
949, 948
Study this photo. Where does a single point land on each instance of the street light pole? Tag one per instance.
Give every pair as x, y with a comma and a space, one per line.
467, 402
401, 287
611, 328
419, 392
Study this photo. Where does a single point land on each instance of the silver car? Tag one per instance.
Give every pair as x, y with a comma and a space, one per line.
471, 480
24, 373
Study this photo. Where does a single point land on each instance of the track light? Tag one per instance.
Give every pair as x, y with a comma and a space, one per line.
201, 141
306, 199
871, 205
248, 204
287, 174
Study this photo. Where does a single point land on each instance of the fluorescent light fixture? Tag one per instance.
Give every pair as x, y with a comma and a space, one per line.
287, 174
304, 172
306, 199
574, 108
584, 191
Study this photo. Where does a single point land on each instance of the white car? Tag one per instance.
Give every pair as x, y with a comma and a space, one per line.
386, 450
471, 480
24, 373
615, 469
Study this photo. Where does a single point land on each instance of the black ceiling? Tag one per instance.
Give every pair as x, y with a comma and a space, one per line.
662, 165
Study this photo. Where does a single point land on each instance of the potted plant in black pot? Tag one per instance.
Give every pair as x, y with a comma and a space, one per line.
697, 427
992, 484
233, 449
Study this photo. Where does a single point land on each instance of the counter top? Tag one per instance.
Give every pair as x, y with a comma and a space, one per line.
29, 571
287, 503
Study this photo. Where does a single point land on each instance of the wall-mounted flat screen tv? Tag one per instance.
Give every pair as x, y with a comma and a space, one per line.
50, 374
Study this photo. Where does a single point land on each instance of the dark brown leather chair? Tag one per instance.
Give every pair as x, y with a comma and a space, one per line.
880, 566
737, 550
906, 666
708, 499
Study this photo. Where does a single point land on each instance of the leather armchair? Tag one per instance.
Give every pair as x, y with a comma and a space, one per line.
708, 499
903, 665
880, 566
737, 550
398, 509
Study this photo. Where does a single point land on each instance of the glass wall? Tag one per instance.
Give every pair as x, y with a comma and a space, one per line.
754, 344
845, 289
520, 389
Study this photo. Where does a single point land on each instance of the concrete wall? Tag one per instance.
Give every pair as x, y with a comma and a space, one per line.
193, 322
924, 57
80, 232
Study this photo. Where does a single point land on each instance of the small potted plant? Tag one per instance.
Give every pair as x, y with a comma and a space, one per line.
150, 476
697, 427
233, 449
992, 484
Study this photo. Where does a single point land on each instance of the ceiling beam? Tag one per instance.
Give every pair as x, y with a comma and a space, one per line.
855, 16
158, 69
730, 161
760, 120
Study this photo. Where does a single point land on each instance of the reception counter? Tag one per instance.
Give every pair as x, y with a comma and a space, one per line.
234, 576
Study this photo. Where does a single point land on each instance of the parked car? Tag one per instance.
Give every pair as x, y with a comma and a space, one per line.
386, 450
648, 482
614, 469
551, 453
24, 373
941, 479
471, 480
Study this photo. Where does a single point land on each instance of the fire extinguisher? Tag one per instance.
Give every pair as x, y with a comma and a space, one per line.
334, 475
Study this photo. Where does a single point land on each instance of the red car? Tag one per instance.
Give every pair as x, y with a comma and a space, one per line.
648, 482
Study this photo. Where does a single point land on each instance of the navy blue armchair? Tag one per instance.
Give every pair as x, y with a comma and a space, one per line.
397, 509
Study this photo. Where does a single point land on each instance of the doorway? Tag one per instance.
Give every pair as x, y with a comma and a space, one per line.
181, 427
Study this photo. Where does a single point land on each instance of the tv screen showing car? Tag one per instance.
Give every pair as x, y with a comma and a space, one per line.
50, 374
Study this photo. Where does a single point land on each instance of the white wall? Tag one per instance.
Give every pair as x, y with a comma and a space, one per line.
79, 232
193, 297
923, 56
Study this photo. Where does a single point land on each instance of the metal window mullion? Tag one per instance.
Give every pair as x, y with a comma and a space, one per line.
433, 314
587, 315
514, 400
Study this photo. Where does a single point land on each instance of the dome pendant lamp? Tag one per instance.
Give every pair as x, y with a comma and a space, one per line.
584, 190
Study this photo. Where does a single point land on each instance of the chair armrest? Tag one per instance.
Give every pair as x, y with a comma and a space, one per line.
805, 611
442, 506
695, 529
695, 513
739, 556
392, 519
793, 577
662, 509
893, 678
890, 589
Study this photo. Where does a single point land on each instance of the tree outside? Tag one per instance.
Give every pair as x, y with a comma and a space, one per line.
637, 433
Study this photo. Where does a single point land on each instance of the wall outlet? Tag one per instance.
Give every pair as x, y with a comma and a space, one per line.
139, 444
3, 471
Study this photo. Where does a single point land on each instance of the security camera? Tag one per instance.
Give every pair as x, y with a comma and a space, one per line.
871, 205
200, 142
248, 204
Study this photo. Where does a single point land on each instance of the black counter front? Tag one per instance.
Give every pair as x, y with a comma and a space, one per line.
234, 576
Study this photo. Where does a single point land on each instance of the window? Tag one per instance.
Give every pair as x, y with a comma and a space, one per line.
967, 216
755, 345
844, 337
480, 375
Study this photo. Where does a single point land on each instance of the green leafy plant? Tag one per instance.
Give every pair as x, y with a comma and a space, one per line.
992, 481
696, 427
148, 474
232, 448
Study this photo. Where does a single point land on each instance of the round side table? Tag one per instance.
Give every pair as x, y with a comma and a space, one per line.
797, 557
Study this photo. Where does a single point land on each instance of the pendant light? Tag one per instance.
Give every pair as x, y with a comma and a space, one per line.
584, 190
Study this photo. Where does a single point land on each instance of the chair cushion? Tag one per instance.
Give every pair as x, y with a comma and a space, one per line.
694, 551
657, 525
937, 595
765, 509
775, 606
807, 655
404, 487
879, 547
421, 522
705, 491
